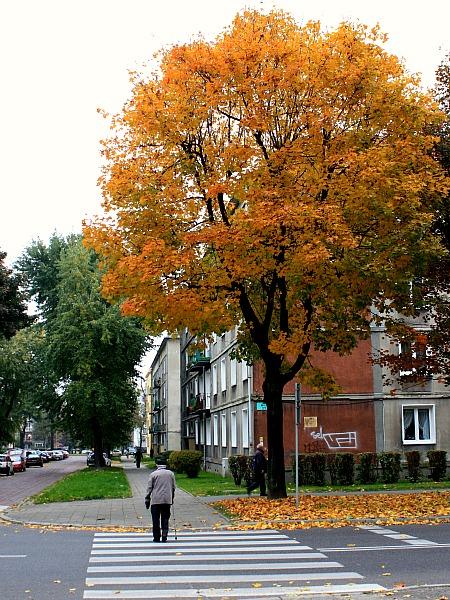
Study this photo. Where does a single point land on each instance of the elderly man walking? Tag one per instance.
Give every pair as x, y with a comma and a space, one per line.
159, 498
259, 465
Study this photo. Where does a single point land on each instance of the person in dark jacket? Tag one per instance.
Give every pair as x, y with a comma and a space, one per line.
159, 497
259, 471
138, 458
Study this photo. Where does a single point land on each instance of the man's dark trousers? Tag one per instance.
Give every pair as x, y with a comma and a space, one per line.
160, 519
259, 481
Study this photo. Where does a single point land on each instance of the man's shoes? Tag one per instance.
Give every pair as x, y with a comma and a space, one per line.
156, 540
164, 538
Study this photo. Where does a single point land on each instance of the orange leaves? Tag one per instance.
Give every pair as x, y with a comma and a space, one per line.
276, 155
337, 511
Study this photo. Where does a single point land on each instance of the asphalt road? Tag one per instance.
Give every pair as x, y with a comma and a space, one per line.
35, 479
412, 561
38, 564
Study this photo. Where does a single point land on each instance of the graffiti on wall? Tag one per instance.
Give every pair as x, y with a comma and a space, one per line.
336, 441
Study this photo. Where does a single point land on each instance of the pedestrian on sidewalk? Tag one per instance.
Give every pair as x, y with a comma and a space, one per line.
259, 465
138, 458
159, 498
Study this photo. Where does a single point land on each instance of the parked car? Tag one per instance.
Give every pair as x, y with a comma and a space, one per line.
34, 459
90, 461
65, 454
45, 455
6, 465
19, 463
116, 452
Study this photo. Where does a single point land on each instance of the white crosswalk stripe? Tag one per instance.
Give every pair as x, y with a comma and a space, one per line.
213, 564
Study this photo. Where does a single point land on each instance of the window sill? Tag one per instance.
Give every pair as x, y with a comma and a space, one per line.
417, 442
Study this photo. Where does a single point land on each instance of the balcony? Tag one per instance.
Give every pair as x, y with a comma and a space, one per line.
198, 361
159, 427
197, 407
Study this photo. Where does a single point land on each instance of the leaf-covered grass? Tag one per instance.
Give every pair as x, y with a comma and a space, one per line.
372, 487
212, 484
208, 484
88, 484
337, 511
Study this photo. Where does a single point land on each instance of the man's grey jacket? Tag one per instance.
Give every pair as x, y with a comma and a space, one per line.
161, 486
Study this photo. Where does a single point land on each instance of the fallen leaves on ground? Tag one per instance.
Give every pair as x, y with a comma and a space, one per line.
337, 511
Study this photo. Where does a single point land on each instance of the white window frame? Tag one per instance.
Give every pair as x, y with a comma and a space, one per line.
208, 432
197, 436
233, 429
233, 372
216, 430
223, 375
214, 380
432, 418
245, 436
202, 432
244, 370
223, 429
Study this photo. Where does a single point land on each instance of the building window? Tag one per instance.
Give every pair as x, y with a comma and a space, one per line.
214, 381
197, 437
223, 375
223, 430
233, 429
216, 430
233, 372
418, 424
244, 370
208, 432
245, 427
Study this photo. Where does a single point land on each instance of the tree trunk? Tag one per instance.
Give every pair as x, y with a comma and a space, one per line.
273, 395
98, 443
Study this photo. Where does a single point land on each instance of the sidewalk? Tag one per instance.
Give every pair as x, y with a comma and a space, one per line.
190, 512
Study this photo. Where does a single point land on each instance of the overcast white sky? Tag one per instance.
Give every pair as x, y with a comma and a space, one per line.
62, 59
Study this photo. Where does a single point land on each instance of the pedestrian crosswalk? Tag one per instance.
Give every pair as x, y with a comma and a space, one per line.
213, 564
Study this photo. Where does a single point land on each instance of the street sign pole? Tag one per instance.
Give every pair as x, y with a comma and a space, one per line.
298, 404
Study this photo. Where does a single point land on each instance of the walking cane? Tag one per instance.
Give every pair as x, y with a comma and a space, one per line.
174, 522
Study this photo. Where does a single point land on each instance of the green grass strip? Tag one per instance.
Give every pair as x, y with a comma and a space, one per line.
213, 484
88, 484
208, 484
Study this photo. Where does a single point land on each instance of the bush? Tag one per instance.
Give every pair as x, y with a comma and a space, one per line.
332, 468
233, 466
311, 469
240, 467
367, 467
165, 456
438, 464
413, 463
345, 468
186, 461
390, 466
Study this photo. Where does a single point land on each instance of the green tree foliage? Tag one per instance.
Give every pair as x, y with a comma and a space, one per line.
13, 307
20, 381
93, 351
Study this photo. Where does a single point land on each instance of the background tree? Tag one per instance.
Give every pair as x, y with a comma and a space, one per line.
273, 179
13, 305
94, 352
19, 382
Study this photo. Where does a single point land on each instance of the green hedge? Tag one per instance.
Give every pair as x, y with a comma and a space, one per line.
438, 464
186, 461
240, 467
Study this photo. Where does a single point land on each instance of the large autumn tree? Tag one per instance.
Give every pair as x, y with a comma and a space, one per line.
273, 179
